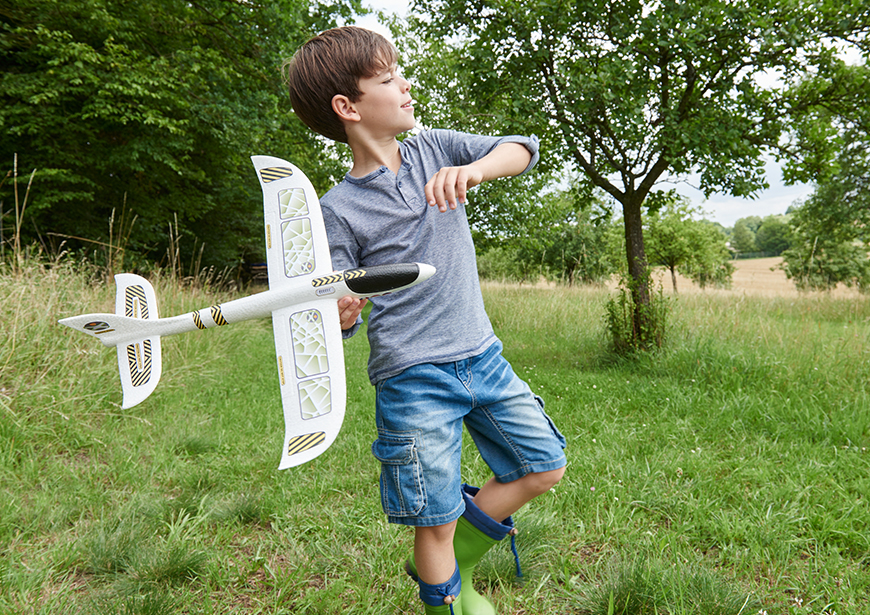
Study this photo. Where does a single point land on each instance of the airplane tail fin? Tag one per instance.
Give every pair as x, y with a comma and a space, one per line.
139, 361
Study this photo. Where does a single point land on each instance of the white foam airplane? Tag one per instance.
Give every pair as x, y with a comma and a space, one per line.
302, 301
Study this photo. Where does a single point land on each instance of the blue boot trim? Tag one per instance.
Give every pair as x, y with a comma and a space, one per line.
487, 525
434, 595
480, 519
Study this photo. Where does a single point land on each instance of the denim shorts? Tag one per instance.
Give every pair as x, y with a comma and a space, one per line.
420, 413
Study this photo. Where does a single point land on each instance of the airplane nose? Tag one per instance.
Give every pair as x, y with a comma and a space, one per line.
426, 272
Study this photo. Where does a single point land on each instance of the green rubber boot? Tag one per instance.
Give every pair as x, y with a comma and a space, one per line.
476, 533
444, 598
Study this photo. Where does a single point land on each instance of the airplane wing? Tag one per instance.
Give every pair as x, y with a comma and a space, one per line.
308, 341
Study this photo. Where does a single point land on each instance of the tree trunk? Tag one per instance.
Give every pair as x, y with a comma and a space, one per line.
674, 278
635, 252
638, 270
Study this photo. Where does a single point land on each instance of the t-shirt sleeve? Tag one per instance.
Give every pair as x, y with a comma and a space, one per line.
464, 148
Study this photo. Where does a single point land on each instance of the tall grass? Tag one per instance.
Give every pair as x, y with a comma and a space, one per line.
726, 473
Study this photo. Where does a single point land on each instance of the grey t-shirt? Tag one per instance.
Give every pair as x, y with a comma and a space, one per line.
383, 218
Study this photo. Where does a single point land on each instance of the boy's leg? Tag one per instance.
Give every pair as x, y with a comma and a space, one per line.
433, 552
501, 500
419, 417
522, 447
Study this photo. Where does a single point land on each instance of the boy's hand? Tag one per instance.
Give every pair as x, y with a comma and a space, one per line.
450, 185
349, 309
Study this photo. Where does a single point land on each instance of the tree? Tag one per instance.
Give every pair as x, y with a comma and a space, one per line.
678, 242
153, 108
774, 235
817, 261
569, 237
742, 238
753, 223
711, 263
564, 235
630, 91
831, 240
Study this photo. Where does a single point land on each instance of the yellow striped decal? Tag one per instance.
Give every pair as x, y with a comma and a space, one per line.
139, 359
275, 173
197, 320
217, 316
134, 297
328, 279
299, 444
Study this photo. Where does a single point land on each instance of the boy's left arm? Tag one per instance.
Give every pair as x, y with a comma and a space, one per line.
450, 185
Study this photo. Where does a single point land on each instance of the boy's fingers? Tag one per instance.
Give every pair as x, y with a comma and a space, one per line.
445, 187
349, 309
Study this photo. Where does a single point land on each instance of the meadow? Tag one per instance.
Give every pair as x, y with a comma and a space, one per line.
726, 474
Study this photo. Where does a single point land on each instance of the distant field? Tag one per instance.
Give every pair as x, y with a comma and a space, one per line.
758, 277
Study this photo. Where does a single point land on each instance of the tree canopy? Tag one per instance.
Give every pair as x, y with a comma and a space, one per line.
153, 108
629, 92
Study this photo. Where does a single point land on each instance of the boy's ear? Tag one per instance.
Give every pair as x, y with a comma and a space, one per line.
344, 108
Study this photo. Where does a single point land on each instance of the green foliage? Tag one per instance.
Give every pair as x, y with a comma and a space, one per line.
774, 235
153, 110
830, 243
568, 240
816, 262
627, 92
501, 264
565, 237
840, 206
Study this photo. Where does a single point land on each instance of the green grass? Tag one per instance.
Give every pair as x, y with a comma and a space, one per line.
728, 473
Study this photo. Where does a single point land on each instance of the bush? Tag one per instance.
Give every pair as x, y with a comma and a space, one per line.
637, 326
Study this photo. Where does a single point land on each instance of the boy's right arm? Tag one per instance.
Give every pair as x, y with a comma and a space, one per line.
450, 184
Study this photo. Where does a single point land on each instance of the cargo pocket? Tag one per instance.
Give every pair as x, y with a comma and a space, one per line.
402, 493
562, 442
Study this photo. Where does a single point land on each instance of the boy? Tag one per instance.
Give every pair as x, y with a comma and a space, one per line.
434, 360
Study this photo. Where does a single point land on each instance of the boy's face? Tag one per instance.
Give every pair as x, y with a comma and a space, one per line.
386, 107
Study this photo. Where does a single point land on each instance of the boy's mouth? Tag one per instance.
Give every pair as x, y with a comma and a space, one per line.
408, 105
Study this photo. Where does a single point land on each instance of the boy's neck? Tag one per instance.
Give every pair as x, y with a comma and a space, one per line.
371, 155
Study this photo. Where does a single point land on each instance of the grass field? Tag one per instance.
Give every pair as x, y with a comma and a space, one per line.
727, 474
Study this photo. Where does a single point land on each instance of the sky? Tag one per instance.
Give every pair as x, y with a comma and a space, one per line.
721, 208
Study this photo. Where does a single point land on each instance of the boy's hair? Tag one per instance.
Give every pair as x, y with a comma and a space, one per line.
333, 63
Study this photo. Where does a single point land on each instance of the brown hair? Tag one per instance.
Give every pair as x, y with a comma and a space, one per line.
333, 63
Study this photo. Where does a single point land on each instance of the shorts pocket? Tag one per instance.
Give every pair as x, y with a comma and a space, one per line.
402, 492
562, 441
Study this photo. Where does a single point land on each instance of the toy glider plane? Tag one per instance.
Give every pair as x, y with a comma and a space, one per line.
302, 301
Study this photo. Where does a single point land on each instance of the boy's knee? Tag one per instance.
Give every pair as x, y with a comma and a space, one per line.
541, 482
436, 534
